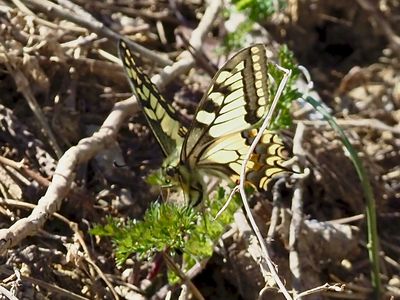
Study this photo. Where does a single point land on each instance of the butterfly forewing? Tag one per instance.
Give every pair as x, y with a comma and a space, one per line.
236, 100
160, 115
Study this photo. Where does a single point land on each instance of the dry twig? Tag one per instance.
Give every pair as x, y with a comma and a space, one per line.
64, 176
383, 25
23, 86
186, 60
74, 227
84, 19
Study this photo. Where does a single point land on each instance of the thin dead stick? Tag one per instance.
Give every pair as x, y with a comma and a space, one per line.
86, 20
74, 227
276, 209
265, 125
182, 276
186, 60
65, 174
23, 86
233, 192
347, 220
323, 288
163, 16
372, 9
253, 248
367, 123
296, 223
7, 293
195, 270
50, 287
41, 21
20, 166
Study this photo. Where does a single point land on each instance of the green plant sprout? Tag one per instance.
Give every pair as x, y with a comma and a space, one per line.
257, 11
170, 227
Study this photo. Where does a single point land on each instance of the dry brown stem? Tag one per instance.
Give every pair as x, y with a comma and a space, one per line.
64, 175
86, 20
382, 23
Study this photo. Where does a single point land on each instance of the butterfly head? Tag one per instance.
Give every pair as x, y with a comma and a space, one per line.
170, 170
178, 177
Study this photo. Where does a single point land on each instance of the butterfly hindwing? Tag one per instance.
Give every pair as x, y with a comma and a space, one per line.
226, 156
160, 115
267, 160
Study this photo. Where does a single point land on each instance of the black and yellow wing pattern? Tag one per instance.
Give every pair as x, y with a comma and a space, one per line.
236, 100
225, 123
224, 126
160, 115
